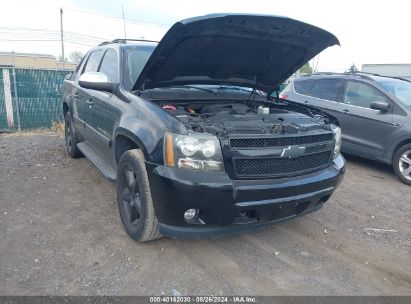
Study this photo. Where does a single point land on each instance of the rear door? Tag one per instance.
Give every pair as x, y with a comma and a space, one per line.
71, 91
364, 130
324, 94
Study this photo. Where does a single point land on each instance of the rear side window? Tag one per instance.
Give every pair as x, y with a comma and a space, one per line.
325, 89
109, 65
303, 86
93, 61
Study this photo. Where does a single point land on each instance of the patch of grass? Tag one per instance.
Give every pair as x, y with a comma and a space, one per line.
58, 127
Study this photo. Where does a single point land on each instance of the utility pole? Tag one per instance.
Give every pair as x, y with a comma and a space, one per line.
62, 38
15, 94
124, 23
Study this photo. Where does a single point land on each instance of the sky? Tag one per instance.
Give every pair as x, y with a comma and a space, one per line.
369, 31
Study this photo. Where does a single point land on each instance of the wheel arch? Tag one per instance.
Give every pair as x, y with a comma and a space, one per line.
125, 140
395, 148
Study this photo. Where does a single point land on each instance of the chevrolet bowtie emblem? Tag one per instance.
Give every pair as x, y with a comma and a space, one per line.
293, 152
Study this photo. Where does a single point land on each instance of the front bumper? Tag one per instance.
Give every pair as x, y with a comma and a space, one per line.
232, 206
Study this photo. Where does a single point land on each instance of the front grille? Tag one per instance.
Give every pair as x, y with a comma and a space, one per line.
255, 167
278, 141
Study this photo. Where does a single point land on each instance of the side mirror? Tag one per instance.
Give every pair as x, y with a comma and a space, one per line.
96, 81
382, 106
68, 76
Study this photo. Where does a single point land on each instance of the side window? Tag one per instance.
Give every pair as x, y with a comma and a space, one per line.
109, 65
303, 86
75, 73
325, 89
361, 94
93, 61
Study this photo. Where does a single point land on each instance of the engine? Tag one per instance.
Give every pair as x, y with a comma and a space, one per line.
239, 118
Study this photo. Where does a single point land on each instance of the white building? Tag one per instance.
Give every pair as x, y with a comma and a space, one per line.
402, 70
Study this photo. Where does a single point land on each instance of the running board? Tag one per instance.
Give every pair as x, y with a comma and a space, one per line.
90, 153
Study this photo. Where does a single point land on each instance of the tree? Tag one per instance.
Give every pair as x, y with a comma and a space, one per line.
353, 69
75, 56
306, 69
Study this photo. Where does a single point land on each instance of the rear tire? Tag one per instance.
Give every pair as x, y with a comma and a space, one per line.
402, 164
70, 137
134, 198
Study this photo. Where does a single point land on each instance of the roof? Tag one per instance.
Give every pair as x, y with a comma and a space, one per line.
26, 55
32, 60
126, 41
381, 78
362, 75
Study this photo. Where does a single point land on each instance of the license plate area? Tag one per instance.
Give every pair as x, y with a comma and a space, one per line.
274, 212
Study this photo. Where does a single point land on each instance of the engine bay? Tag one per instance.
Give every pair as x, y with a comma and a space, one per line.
224, 119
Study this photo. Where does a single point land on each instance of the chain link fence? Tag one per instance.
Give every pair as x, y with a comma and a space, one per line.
30, 98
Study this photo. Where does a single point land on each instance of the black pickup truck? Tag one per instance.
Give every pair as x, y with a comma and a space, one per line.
190, 133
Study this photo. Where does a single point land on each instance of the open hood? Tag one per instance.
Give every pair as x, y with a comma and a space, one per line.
243, 50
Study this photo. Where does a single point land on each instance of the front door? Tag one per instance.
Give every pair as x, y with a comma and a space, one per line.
364, 131
104, 112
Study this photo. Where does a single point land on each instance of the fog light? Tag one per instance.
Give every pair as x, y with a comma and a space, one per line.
190, 214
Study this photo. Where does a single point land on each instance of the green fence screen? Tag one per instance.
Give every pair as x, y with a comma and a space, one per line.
35, 98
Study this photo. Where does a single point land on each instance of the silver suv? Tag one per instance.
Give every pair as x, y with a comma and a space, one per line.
374, 113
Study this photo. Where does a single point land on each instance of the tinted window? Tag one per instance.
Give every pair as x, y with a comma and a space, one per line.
74, 75
325, 89
109, 65
362, 95
93, 61
303, 87
136, 60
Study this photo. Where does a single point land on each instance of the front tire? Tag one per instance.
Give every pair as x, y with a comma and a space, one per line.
134, 198
402, 164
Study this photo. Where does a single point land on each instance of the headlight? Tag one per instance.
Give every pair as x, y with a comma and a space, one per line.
337, 139
195, 151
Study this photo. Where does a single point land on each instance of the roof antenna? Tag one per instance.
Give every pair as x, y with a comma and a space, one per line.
124, 22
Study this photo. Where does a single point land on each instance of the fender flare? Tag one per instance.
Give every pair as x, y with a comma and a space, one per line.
133, 137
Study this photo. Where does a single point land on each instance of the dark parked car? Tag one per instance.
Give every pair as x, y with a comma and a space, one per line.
374, 113
188, 130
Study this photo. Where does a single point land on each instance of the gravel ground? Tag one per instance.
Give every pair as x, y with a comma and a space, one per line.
60, 234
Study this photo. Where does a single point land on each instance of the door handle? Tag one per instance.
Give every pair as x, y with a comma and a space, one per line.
346, 110
89, 102
306, 102
396, 124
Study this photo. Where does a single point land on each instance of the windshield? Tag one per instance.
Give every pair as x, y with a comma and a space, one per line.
400, 89
136, 58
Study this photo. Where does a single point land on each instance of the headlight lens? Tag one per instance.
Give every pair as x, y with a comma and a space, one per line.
208, 149
337, 139
187, 145
195, 151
